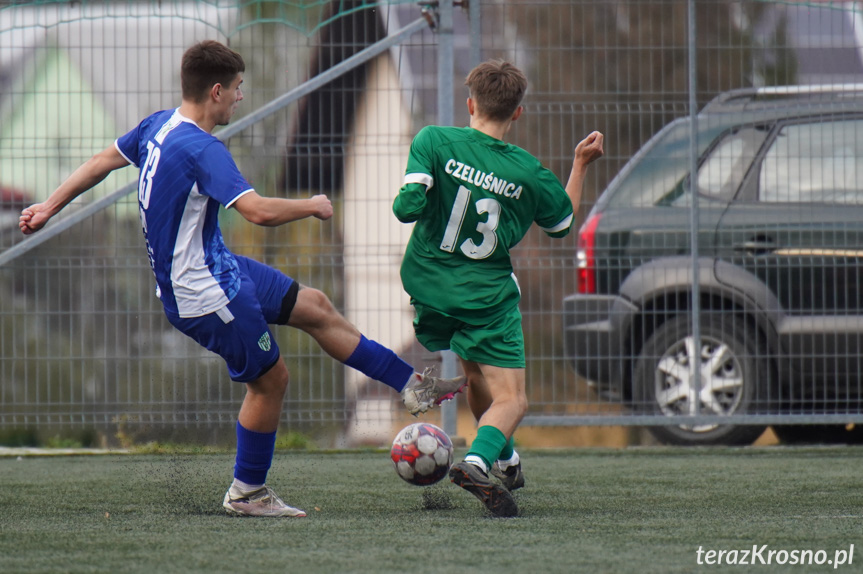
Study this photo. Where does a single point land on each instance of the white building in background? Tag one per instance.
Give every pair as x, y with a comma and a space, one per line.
69, 89
400, 96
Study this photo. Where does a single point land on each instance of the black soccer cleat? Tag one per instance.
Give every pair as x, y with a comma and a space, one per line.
495, 497
512, 478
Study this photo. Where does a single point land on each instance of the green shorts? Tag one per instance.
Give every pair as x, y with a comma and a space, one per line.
499, 343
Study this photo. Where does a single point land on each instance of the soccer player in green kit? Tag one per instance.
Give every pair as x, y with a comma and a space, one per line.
473, 197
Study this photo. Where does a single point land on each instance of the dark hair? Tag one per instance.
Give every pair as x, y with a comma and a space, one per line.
497, 88
206, 64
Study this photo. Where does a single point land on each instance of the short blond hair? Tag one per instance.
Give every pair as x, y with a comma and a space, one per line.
497, 88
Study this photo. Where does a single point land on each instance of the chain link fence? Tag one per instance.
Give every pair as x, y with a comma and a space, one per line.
335, 90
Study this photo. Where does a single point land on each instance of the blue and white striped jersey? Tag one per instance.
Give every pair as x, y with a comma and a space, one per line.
186, 174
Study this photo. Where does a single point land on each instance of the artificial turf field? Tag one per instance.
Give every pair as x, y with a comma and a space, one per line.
582, 510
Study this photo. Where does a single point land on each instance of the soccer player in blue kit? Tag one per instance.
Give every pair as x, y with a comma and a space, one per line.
224, 301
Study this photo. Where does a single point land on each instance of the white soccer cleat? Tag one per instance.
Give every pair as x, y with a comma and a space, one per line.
261, 502
424, 391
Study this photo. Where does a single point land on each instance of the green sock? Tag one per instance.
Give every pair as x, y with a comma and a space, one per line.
508, 449
487, 445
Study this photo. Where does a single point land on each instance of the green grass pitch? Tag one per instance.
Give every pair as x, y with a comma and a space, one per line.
582, 510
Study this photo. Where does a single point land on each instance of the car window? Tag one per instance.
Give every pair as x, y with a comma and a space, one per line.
815, 163
659, 177
723, 169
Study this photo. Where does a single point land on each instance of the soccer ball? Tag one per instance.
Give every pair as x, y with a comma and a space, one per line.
422, 454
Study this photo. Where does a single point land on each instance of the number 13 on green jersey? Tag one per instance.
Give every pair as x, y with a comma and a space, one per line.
473, 198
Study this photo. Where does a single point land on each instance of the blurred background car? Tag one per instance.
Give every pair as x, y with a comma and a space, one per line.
779, 212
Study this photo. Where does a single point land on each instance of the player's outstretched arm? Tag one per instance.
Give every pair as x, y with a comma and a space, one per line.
87, 176
273, 211
587, 151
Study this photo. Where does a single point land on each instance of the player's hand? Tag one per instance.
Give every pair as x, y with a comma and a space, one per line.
33, 218
322, 206
589, 149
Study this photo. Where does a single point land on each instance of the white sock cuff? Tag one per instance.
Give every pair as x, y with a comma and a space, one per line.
477, 461
242, 487
512, 461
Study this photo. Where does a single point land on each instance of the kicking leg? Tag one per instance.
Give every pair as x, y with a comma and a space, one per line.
315, 314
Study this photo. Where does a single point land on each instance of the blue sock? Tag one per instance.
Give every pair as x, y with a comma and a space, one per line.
254, 455
376, 361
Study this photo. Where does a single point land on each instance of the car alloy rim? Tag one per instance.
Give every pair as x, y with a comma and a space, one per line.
721, 380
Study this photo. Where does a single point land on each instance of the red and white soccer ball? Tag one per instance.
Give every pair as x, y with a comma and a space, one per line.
422, 454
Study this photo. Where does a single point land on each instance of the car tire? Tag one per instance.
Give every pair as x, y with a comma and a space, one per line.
738, 376
818, 434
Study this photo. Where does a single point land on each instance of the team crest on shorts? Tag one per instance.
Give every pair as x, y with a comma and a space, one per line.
264, 342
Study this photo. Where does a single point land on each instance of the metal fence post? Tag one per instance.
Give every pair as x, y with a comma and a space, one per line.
449, 366
695, 369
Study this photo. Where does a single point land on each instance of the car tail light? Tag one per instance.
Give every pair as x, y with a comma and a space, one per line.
586, 258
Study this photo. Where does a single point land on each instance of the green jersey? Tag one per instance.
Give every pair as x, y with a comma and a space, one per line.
473, 198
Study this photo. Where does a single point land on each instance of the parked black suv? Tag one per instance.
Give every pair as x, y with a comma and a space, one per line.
780, 243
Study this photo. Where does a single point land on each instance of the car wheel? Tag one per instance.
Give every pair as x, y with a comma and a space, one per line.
818, 434
729, 373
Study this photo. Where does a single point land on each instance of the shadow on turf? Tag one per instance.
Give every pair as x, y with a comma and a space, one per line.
183, 490
437, 498
445, 497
